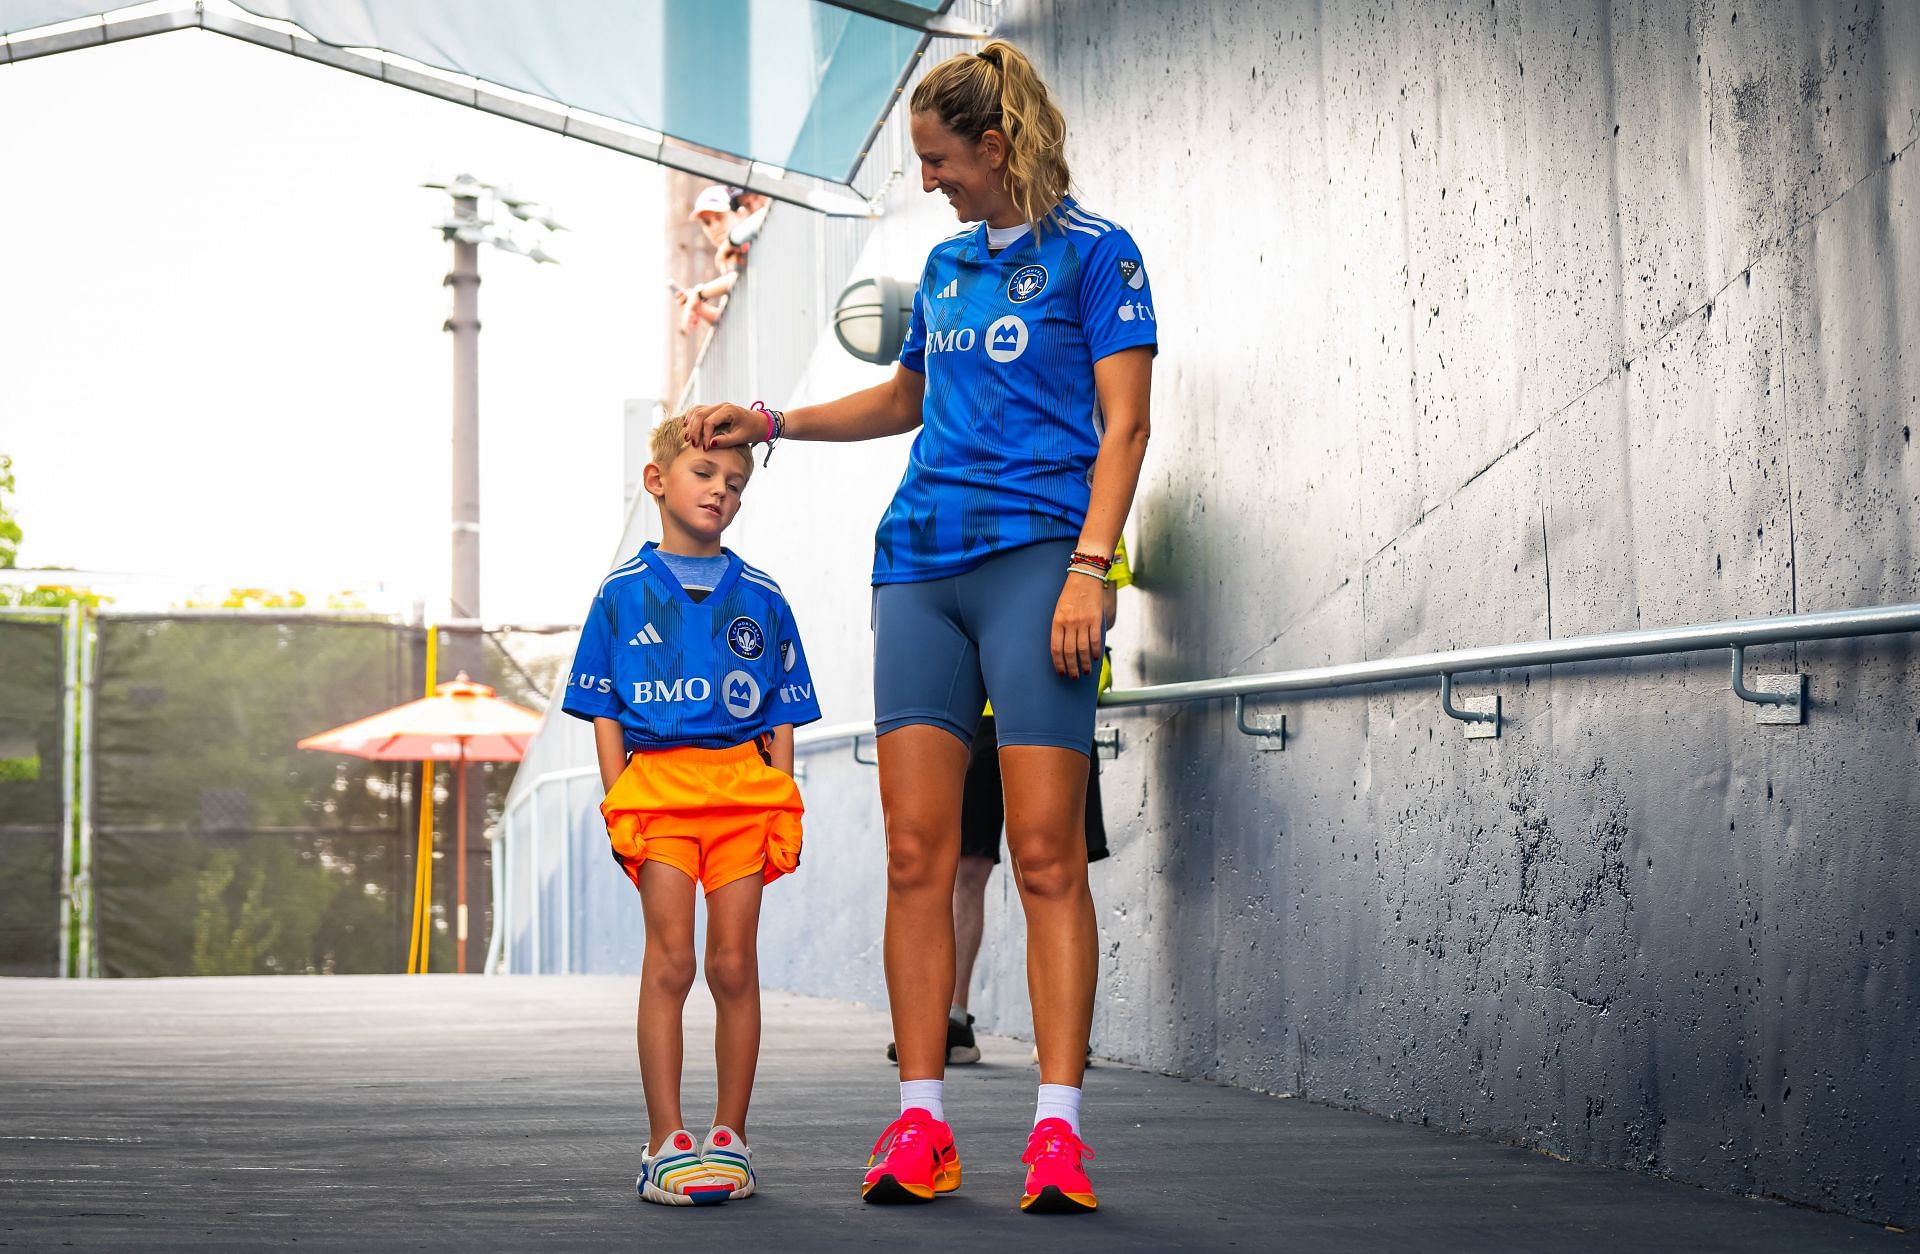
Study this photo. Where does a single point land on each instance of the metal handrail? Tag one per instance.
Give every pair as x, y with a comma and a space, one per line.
1732, 634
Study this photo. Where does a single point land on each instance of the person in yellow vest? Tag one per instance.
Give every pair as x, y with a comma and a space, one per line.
983, 813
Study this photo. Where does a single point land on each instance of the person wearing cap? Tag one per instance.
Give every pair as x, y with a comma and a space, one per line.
713, 210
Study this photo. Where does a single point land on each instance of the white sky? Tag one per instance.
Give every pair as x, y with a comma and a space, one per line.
220, 345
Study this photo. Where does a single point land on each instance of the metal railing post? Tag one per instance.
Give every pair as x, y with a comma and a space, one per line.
533, 883
566, 876
87, 959
69, 748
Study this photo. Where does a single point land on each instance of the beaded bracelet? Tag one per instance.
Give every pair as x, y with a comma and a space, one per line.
1101, 564
776, 426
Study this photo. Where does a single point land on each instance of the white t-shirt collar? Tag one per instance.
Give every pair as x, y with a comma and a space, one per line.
1000, 237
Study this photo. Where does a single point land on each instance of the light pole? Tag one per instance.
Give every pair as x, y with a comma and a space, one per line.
471, 224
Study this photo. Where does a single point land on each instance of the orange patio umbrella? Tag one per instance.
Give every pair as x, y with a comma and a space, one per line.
461, 722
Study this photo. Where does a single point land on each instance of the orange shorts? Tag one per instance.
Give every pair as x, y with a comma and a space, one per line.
717, 814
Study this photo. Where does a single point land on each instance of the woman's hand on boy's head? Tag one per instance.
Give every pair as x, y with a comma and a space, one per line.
722, 426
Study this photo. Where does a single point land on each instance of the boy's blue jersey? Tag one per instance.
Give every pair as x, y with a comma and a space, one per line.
1011, 425
676, 672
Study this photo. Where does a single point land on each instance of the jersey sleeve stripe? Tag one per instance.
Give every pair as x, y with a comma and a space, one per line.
1100, 227
768, 584
619, 574
1084, 230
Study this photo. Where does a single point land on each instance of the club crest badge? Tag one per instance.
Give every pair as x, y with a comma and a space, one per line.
745, 638
1132, 274
1027, 282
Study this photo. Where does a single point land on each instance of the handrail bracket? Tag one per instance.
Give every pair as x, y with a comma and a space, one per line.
1480, 714
1271, 736
872, 761
1782, 698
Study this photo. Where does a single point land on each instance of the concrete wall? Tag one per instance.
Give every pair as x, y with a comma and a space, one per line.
1480, 322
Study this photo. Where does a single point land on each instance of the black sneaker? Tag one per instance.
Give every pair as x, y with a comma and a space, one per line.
961, 1047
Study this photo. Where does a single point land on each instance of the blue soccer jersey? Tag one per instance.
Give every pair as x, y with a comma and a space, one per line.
676, 672
1011, 422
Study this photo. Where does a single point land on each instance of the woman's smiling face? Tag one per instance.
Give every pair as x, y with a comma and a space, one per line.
972, 176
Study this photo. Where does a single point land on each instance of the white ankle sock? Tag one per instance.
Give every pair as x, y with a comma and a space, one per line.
957, 1013
930, 1096
1057, 1101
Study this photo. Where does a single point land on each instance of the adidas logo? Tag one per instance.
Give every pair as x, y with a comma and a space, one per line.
951, 289
646, 635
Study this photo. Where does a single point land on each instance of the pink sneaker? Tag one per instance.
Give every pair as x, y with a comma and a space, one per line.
920, 1160
1056, 1183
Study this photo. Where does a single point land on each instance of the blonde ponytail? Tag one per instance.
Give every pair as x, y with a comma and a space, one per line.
996, 89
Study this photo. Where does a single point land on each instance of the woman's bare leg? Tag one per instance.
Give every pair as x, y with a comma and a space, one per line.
921, 772
1046, 790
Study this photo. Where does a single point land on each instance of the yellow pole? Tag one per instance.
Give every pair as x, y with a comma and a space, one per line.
418, 943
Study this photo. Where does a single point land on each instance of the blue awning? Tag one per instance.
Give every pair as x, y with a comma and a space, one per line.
796, 85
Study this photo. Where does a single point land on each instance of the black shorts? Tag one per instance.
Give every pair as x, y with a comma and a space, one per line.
983, 806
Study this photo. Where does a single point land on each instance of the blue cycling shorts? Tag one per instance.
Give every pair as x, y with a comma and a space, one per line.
943, 647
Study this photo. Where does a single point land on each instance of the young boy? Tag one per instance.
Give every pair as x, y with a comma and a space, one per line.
691, 671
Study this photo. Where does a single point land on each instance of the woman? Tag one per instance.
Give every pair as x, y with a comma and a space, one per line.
1027, 366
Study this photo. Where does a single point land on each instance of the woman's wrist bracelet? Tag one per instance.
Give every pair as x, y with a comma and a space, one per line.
1101, 564
1075, 568
776, 426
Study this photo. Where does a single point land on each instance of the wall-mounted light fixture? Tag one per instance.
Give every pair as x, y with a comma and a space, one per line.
870, 318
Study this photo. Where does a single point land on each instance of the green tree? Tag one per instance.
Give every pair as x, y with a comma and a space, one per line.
9, 527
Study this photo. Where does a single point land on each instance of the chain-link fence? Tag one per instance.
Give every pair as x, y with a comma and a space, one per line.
204, 842
35, 784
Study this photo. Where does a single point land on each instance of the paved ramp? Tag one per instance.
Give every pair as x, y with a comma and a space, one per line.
441, 1113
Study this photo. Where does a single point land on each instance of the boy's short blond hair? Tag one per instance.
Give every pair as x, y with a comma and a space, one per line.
670, 440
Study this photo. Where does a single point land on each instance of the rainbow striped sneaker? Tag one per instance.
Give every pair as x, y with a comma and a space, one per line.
676, 1177
920, 1161
726, 1157
1056, 1183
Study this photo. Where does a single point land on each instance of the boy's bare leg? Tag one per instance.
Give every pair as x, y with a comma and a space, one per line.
733, 974
666, 976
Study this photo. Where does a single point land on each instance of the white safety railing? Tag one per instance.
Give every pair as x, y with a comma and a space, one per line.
520, 853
